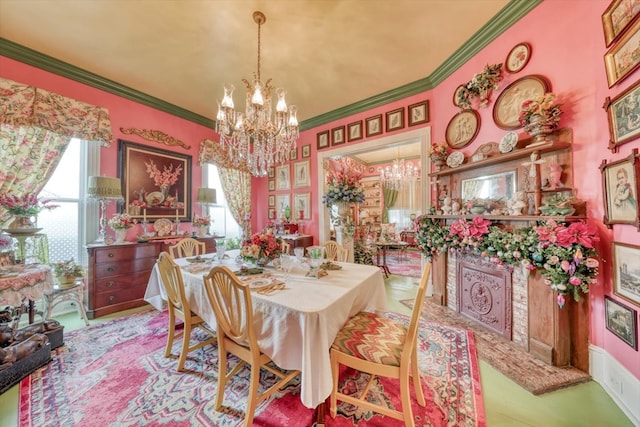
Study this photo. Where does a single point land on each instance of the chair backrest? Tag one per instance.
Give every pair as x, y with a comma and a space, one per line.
412, 329
187, 247
173, 283
286, 247
232, 305
331, 249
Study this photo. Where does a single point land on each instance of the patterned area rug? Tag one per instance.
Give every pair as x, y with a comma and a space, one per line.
514, 362
408, 264
115, 373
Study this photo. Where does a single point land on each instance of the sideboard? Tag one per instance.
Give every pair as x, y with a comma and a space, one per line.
118, 274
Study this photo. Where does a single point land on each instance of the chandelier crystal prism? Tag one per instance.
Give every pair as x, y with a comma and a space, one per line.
253, 139
398, 174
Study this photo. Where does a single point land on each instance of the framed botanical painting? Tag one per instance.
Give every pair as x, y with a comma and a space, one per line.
518, 57
616, 18
322, 140
302, 205
154, 180
272, 185
394, 119
293, 154
301, 174
271, 201
272, 172
418, 113
622, 321
283, 180
373, 125
621, 59
272, 213
354, 131
626, 271
623, 113
282, 201
507, 108
462, 128
620, 187
306, 151
337, 136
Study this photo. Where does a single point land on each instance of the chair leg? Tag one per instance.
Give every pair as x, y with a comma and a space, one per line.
333, 408
222, 373
417, 382
253, 394
171, 335
185, 346
405, 398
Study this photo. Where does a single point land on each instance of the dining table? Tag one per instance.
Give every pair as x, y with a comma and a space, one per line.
295, 326
22, 283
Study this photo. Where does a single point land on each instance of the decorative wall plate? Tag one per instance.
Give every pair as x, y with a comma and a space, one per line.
507, 107
518, 57
463, 128
455, 159
508, 142
163, 226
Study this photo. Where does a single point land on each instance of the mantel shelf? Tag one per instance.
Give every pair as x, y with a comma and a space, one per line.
513, 217
562, 141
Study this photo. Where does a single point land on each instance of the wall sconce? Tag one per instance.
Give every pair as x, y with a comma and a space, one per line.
105, 189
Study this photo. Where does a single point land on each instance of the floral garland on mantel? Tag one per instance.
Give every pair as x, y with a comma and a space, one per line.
564, 254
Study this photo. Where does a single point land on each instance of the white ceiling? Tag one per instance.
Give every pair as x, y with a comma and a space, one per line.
327, 53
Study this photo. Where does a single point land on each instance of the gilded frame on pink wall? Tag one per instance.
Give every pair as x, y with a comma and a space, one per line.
616, 18
620, 188
619, 61
625, 257
623, 114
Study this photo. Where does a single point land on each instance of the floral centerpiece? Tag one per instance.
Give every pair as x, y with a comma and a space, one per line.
201, 221
438, 153
23, 208
480, 86
261, 248
541, 115
121, 221
343, 186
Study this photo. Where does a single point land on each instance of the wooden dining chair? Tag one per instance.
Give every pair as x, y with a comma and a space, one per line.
178, 307
334, 251
379, 346
233, 308
286, 248
187, 247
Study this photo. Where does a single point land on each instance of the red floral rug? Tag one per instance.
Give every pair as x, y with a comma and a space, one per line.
115, 373
408, 264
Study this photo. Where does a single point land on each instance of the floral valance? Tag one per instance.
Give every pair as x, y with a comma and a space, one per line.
213, 152
24, 105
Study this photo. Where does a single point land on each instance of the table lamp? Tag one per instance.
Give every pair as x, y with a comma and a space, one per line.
206, 196
105, 189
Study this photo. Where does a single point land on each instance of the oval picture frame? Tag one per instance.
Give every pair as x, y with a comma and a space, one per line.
455, 95
518, 57
507, 107
463, 129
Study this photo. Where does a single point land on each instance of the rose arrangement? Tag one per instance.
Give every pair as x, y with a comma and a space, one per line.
68, 268
541, 106
564, 254
167, 177
479, 87
261, 246
438, 151
121, 221
343, 186
27, 204
201, 221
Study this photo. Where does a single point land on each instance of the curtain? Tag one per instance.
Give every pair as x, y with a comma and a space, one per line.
390, 196
236, 183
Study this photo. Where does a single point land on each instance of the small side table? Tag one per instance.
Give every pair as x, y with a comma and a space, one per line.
74, 293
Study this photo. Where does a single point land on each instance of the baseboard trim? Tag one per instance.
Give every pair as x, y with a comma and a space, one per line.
617, 381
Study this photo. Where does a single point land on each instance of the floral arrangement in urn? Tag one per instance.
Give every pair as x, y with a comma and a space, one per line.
201, 221
121, 221
261, 248
68, 268
438, 152
480, 86
541, 109
343, 184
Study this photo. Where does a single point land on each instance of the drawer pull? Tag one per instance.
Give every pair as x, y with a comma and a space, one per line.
110, 284
110, 255
112, 298
110, 269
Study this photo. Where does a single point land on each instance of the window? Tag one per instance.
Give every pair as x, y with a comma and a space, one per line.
223, 223
66, 226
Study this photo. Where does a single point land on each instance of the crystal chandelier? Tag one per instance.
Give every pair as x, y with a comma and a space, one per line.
253, 139
399, 174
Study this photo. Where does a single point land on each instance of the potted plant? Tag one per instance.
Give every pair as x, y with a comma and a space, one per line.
67, 272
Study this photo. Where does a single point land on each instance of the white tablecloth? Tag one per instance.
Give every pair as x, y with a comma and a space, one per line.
295, 326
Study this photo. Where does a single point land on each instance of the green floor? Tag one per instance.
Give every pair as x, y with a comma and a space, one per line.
506, 403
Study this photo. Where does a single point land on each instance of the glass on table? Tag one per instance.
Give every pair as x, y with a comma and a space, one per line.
286, 265
220, 250
299, 252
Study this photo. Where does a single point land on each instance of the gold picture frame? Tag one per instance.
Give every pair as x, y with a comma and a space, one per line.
283, 177
616, 18
302, 205
506, 110
623, 114
301, 174
518, 58
620, 188
619, 60
462, 129
626, 284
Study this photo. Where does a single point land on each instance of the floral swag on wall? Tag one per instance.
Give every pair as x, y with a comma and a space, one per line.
564, 254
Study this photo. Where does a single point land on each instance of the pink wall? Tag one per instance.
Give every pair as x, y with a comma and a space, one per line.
123, 113
568, 51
